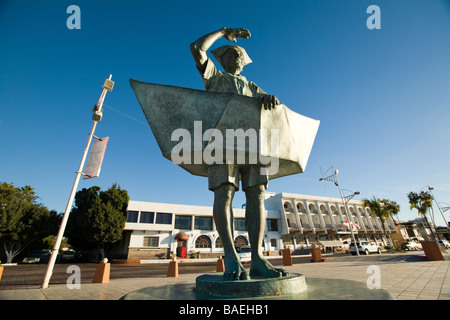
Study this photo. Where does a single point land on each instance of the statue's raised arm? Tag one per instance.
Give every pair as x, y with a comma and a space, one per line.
233, 61
202, 44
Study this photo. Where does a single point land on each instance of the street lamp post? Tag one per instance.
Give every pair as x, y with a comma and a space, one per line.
97, 116
345, 200
441, 210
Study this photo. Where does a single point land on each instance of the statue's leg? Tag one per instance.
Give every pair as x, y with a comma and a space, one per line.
223, 197
256, 218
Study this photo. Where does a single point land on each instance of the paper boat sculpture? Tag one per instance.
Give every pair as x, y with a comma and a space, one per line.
207, 126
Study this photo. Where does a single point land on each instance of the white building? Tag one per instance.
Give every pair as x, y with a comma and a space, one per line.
305, 219
154, 230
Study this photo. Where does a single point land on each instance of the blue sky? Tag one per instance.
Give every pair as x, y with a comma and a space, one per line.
382, 96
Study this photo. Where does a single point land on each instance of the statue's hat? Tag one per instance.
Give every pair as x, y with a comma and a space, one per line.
220, 53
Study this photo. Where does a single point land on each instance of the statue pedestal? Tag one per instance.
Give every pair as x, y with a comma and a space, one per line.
213, 284
315, 289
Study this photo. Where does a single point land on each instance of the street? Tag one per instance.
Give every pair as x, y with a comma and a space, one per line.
407, 275
32, 275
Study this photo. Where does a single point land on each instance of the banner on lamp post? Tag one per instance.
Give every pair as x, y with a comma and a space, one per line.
94, 163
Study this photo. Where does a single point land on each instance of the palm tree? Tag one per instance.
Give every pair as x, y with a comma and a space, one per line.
383, 209
392, 207
422, 202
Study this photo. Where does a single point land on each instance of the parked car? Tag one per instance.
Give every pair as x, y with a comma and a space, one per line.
411, 245
365, 247
445, 243
33, 256
68, 256
346, 246
45, 257
243, 252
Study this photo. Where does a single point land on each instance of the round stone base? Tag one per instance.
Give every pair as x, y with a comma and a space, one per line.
317, 289
213, 284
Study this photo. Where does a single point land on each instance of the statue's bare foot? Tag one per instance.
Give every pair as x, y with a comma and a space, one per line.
263, 268
234, 270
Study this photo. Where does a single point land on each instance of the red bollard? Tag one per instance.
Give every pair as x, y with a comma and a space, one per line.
316, 255
287, 258
173, 269
220, 265
102, 273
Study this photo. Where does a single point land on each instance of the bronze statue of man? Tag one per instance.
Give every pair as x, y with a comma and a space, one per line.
224, 179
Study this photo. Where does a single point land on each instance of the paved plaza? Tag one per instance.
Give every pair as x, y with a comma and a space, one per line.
406, 276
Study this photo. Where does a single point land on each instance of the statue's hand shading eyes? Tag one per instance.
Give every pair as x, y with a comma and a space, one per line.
231, 33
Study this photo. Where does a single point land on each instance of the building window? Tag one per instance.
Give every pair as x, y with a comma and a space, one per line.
163, 218
312, 208
334, 210
203, 242
301, 207
288, 207
132, 216
273, 243
287, 240
203, 223
152, 242
272, 225
240, 241
183, 222
146, 217
239, 225
219, 243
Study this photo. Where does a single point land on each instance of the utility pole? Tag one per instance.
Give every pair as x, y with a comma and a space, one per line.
345, 200
97, 116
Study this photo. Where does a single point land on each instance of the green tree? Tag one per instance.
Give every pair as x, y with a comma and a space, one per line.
22, 220
422, 201
98, 218
391, 207
383, 209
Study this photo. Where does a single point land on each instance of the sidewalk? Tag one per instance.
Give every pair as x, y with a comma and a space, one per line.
405, 276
